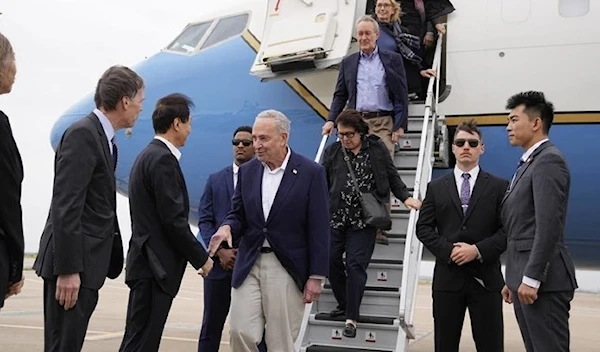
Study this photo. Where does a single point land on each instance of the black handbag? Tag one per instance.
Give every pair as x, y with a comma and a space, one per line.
375, 213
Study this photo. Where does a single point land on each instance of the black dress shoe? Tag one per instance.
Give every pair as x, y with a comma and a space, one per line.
349, 330
337, 313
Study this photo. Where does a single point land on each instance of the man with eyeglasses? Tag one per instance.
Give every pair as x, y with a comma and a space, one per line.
214, 206
459, 223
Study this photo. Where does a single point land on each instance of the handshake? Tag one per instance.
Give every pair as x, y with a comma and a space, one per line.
227, 258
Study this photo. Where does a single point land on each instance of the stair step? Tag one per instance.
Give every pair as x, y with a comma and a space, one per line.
406, 158
410, 140
408, 176
375, 303
393, 250
384, 272
372, 332
325, 348
399, 222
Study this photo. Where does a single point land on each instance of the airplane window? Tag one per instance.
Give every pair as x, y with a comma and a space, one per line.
189, 39
226, 28
573, 8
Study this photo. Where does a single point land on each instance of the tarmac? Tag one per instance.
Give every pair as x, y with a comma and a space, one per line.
21, 320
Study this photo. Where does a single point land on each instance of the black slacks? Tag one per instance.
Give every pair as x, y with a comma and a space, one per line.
348, 281
64, 330
147, 313
485, 311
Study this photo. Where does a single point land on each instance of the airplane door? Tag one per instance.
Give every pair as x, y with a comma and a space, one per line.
302, 36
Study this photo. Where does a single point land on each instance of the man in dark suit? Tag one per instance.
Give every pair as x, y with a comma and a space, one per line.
373, 82
540, 275
280, 211
11, 177
81, 244
161, 243
459, 223
215, 204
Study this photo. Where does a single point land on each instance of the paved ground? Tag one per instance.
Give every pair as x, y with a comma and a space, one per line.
21, 320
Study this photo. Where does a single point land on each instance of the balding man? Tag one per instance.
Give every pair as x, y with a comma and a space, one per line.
280, 211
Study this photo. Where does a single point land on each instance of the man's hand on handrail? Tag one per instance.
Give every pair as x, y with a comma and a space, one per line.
327, 128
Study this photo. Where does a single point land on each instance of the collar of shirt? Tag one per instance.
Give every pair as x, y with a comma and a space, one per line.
532, 149
176, 152
283, 165
109, 131
473, 172
235, 169
372, 55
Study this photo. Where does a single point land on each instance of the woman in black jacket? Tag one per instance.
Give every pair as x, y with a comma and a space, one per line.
375, 173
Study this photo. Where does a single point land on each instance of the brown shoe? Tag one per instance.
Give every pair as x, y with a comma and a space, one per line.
381, 238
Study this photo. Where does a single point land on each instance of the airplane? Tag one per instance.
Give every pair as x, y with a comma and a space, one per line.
229, 62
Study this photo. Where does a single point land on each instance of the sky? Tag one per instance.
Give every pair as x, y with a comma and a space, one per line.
62, 48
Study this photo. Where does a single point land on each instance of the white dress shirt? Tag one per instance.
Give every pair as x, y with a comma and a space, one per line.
474, 172
527, 280
176, 152
236, 169
109, 131
271, 180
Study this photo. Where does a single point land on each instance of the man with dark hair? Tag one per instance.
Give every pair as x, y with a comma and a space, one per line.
81, 243
540, 275
459, 223
215, 204
161, 243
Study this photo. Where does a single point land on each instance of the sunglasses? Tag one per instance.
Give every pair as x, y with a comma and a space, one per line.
461, 142
245, 142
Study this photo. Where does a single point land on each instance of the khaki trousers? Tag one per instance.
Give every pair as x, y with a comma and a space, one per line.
268, 297
382, 128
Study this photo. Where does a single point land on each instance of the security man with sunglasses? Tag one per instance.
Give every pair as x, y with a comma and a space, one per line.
459, 223
214, 207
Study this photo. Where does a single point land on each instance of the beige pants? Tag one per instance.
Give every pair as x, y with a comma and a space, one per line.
382, 128
268, 297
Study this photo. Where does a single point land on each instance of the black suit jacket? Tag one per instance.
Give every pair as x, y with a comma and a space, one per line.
395, 77
11, 219
161, 242
81, 226
442, 223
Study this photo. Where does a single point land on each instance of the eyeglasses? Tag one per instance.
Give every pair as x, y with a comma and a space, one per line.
461, 142
245, 142
350, 135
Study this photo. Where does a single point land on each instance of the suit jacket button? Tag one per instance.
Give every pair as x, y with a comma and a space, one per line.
265, 229
464, 227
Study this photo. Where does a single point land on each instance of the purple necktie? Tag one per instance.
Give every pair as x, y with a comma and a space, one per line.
465, 192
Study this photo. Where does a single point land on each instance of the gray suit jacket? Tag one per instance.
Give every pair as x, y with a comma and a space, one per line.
533, 215
78, 236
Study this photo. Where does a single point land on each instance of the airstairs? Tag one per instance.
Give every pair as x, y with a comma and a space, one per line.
387, 310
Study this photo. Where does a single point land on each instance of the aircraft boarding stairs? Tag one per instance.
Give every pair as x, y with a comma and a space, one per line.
386, 314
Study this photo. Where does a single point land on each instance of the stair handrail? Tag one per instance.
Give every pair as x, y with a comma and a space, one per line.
308, 306
412, 256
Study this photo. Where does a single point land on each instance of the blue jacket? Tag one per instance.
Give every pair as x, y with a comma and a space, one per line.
298, 224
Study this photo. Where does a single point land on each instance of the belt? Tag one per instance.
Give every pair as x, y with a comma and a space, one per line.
266, 250
374, 114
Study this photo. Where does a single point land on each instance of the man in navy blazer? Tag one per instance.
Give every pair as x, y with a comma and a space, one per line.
373, 82
280, 213
215, 204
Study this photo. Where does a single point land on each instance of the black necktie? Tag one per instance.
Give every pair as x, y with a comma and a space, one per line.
115, 152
